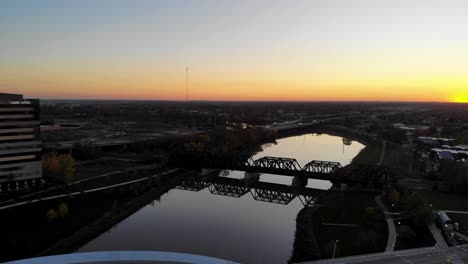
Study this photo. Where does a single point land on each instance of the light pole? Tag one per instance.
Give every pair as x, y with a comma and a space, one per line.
334, 250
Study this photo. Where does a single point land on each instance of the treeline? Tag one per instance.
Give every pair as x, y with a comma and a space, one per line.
220, 143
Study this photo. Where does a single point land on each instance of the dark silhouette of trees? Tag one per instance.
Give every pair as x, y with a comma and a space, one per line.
305, 247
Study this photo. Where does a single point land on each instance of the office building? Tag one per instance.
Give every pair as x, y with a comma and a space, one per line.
20, 143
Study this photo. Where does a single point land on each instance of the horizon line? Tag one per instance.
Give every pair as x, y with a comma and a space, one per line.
252, 101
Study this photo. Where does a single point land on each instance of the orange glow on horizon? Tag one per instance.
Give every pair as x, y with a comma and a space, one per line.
121, 83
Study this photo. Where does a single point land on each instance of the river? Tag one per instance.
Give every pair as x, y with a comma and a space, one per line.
238, 229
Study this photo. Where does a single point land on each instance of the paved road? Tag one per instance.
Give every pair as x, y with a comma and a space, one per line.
431, 255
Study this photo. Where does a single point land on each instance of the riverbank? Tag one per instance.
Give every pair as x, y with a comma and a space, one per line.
350, 219
32, 230
339, 131
153, 191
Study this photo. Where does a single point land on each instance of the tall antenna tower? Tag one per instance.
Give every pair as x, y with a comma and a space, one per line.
186, 82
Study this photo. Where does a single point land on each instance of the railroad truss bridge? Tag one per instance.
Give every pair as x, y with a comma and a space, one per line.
316, 169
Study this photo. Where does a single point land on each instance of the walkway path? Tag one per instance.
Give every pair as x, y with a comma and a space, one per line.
440, 241
390, 225
382, 155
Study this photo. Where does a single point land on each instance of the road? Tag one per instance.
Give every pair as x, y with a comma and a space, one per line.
296, 124
454, 212
431, 255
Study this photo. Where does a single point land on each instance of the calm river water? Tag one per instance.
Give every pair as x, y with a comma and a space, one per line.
238, 229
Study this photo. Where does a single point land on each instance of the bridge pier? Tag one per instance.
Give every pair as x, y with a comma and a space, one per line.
250, 178
206, 172
298, 181
339, 186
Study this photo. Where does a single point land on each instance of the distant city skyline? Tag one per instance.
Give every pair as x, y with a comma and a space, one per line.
329, 50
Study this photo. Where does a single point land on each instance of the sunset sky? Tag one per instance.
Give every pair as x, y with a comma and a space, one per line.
312, 50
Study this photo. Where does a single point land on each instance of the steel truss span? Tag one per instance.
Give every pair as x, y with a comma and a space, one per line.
316, 169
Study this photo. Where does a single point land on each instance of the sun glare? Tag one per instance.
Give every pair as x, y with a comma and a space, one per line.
463, 98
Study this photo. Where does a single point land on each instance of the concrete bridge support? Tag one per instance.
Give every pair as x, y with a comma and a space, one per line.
251, 178
299, 181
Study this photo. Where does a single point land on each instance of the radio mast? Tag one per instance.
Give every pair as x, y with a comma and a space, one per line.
186, 83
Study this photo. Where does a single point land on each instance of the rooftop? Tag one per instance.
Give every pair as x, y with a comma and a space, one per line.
8, 96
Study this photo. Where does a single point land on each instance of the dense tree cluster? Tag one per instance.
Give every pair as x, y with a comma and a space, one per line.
220, 143
59, 167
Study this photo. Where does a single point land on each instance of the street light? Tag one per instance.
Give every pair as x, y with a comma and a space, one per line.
334, 250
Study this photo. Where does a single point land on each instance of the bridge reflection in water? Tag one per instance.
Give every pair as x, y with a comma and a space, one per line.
260, 191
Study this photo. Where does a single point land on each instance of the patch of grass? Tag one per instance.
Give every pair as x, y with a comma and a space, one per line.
369, 155
363, 235
397, 158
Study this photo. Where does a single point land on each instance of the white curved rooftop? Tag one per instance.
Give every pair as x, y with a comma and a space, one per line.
123, 257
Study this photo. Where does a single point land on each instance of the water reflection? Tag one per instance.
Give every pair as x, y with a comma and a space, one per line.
249, 228
306, 148
260, 191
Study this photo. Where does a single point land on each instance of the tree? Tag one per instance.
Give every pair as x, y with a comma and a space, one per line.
60, 167
62, 210
51, 216
455, 174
